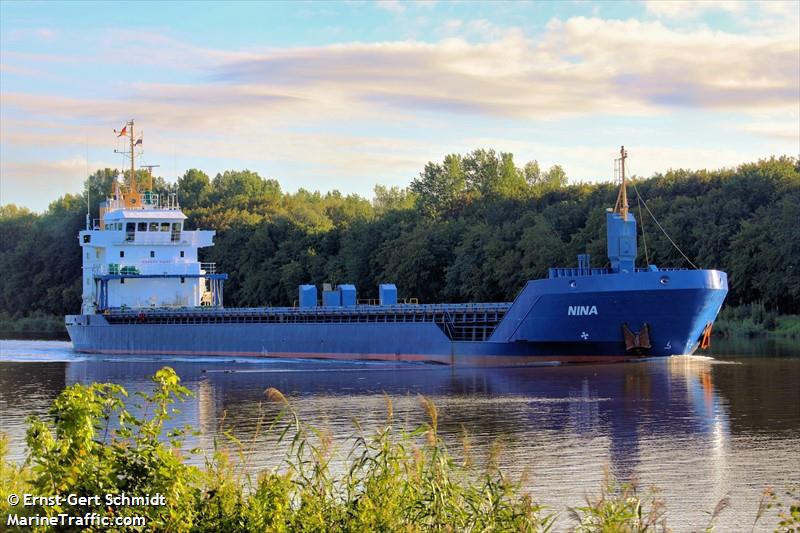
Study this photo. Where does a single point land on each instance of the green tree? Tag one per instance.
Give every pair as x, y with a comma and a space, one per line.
194, 188
472, 227
392, 198
440, 188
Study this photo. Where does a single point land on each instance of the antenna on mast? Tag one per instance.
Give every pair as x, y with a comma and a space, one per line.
622, 197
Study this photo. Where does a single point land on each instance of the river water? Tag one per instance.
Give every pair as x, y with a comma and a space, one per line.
696, 428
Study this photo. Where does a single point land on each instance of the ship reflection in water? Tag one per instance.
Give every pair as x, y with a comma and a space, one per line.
697, 428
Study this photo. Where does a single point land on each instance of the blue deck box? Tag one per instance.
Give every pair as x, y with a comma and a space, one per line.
308, 295
387, 293
348, 295
332, 298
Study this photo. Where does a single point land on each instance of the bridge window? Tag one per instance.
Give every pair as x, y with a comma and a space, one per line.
176, 232
142, 226
165, 226
154, 226
130, 227
87, 238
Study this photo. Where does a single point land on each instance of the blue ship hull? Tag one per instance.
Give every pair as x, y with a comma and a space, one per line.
567, 318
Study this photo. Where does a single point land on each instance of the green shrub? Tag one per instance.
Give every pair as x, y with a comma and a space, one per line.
35, 322
97, 447
752, 320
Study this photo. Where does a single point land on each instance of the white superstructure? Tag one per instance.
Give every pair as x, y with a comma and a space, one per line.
138, 254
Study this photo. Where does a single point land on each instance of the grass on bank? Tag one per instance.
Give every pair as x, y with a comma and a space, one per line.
36, 322
392, 479
755, 320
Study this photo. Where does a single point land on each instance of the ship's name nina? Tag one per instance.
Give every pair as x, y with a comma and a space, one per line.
578, 310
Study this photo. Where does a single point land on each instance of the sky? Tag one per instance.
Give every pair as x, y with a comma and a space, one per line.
347, 95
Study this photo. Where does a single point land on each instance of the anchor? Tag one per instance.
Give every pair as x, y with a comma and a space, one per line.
636, 341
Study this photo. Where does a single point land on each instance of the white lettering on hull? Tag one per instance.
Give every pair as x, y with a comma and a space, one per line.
581, 310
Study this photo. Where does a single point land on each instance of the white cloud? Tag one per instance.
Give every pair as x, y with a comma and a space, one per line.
581, 65
701, 68
765, 16
692, 8
393, 6
775, 126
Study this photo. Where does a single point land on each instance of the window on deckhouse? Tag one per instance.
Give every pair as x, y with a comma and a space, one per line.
176, 232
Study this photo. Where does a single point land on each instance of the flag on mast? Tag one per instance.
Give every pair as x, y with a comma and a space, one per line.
138, 142
122, 132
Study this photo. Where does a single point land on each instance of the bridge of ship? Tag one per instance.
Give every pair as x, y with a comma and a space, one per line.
460, 322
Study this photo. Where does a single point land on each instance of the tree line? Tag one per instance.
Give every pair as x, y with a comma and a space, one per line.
472, 227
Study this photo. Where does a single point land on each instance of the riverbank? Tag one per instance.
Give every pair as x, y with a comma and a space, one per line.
389, 478
754, 320
35, 323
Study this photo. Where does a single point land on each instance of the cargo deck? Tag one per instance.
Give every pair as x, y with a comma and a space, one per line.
460, 322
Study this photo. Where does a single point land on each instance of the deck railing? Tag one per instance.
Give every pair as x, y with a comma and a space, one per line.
571, 272
135, 269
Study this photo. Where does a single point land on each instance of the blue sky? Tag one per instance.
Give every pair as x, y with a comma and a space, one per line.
352, 94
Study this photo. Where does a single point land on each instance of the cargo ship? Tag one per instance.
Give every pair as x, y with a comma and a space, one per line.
145, 291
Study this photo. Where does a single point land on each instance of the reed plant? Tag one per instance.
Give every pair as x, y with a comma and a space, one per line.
620, 507
389, 478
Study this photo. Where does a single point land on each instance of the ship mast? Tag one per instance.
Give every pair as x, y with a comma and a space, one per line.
133, 188
133, 198
133, 158
621, 206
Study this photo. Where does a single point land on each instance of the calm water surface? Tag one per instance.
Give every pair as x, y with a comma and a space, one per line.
696, 428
